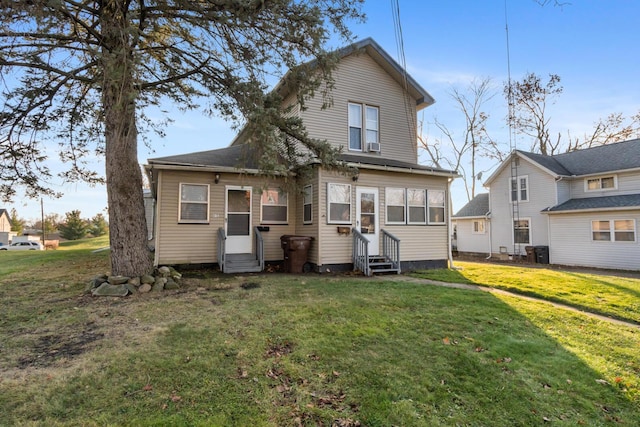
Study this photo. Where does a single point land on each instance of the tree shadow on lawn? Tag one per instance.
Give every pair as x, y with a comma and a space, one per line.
381, 353
621, 289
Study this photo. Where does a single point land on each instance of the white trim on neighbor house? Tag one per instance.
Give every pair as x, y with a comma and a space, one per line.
611, 232
478, 226
529, 228
518, 179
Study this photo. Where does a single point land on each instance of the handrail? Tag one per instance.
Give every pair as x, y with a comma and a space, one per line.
391, 249
222, 240
259, 245
360, 252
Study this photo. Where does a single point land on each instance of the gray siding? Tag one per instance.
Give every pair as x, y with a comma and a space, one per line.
572, 242
468, 241
628, 183
542, 194
360, 79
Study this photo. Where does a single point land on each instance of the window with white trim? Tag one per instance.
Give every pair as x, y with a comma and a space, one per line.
338, 203
417, 206
520, 189
522, 231
194, 203
601, 183
615, 230
395, 201
436, 200
307, 205
361, 136
478, 226
274, 206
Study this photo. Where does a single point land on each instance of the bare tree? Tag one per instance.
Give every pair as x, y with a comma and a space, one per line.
529, 99
615, 128
79, 73
461, 151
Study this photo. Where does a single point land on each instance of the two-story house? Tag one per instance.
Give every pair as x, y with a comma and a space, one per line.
215, 207
583, 205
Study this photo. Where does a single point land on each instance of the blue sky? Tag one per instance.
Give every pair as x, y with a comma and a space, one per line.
592, 44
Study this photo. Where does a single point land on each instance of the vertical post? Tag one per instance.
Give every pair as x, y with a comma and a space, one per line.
43, 224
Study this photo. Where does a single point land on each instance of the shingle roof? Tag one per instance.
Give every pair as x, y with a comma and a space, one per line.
605, 158
478, 206
235, 156
590, 203
381, 161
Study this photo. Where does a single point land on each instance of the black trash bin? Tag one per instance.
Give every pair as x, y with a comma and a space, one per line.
542, 254
531, 254
295, 250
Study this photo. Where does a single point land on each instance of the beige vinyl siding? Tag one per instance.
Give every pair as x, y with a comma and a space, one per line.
4, 223
542, 194
572, 243
197, 243
359, 79
310, 230
418, 242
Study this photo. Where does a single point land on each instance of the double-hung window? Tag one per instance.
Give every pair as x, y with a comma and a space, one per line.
522, 231
307, 204
601, 183
616, 230
395, 201
478, 226
364, 127
520, 189
417, 206
274, 206
436, 201
194, 203
339, 203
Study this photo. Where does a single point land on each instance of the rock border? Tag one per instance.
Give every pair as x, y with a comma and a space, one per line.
163, 278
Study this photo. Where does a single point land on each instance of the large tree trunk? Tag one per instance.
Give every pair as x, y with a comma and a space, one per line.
127, 223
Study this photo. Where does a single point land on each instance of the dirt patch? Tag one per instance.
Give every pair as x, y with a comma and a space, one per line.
50, 348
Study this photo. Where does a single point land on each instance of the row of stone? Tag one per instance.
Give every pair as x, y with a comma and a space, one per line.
120, 286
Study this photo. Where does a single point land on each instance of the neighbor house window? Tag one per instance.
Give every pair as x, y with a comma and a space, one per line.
436, 201
520, 189
417, 206
274, 206
194, 203
307, 204
478, 226
601, 183
369, 133
522, 231
395, 201
339, 203
616, 230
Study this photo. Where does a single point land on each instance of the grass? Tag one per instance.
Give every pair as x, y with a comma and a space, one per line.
287, 350
613, 296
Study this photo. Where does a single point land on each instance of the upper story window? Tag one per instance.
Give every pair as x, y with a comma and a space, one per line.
601, 183
307, 204
520, 189
364, 138
339, 203
194, 203
436, 202
274, 206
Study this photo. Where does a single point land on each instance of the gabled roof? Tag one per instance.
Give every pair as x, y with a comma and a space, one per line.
477, 207
235, 157
614, 157
627, 201
5, 212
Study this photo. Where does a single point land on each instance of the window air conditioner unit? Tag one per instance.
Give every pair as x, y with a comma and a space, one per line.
374, 147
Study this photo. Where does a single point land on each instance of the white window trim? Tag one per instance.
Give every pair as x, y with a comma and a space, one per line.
363, 126
599, 178
329, 220
612, 231
424, 206
513, 231
518, 178
386, 207
483, 227
192, 221
262, 205
310, 203
444, 206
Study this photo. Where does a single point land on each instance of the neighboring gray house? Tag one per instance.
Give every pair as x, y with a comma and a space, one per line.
584, 205
472, 226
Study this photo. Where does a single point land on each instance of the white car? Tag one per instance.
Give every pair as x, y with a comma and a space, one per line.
23, 246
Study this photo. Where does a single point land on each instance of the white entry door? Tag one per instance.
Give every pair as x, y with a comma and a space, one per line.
238, 220
367, 217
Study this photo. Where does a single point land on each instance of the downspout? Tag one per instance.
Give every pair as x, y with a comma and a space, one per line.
449, 253
487, 216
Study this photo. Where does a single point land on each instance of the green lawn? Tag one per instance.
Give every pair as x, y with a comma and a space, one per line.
614, 296
287, 350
